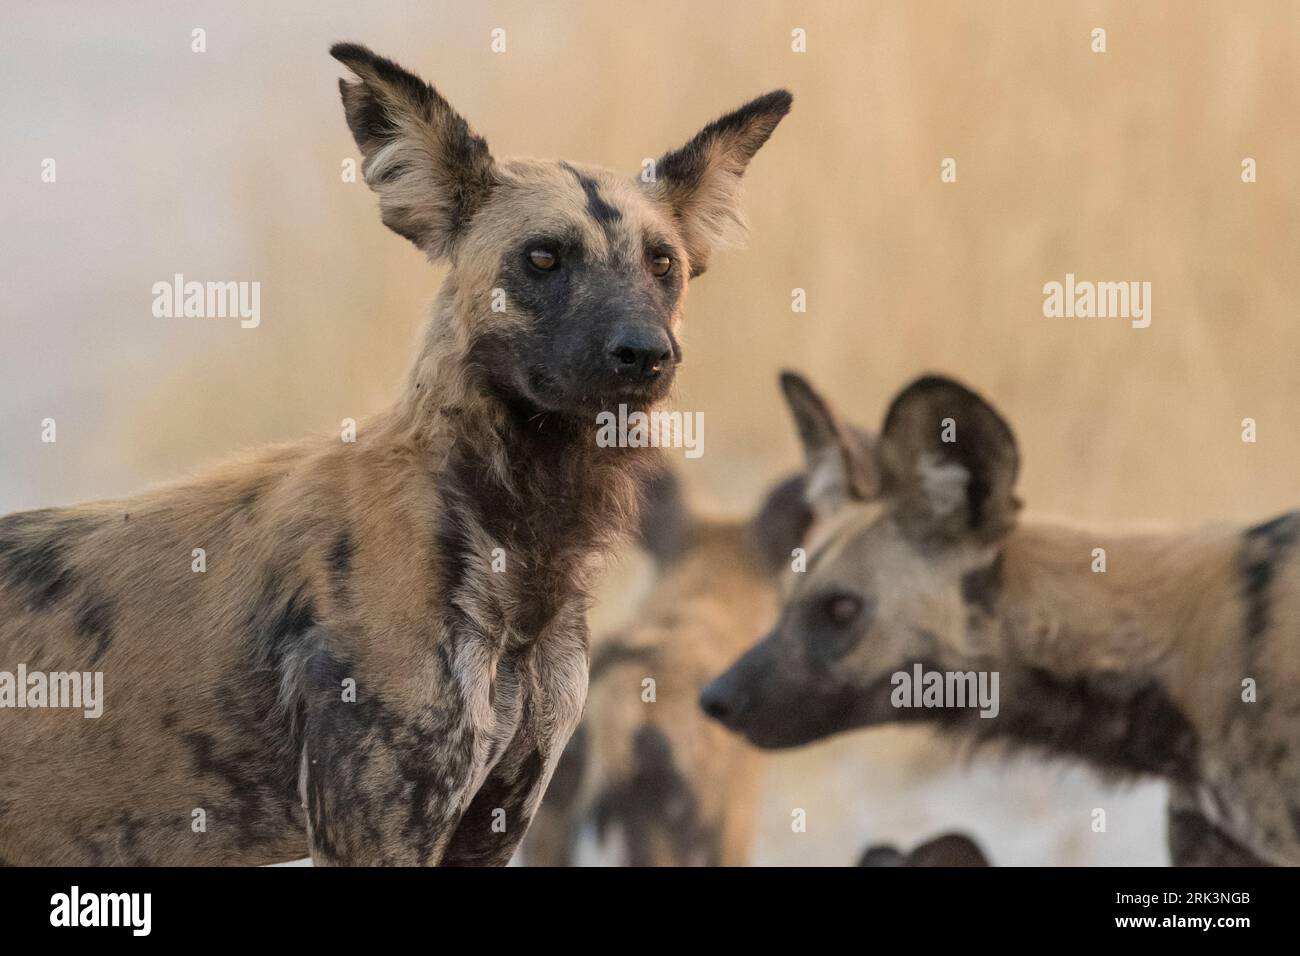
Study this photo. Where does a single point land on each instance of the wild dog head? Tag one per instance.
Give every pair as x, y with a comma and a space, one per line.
569, 279
903, 548
949, 849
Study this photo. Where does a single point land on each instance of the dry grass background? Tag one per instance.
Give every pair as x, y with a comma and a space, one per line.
1126, 165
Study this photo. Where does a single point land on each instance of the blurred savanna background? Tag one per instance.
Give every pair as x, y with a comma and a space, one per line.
1117, 166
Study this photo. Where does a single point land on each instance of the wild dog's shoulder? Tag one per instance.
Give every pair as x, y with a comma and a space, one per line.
1268, 572
37, 555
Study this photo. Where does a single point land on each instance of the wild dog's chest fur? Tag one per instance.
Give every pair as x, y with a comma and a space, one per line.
516, 536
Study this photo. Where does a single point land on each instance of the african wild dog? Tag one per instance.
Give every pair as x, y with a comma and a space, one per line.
949, 849
439, 564
650, 781
916, 556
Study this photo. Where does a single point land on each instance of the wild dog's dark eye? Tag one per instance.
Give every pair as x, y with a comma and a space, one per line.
661, 266
840, 609
543, 259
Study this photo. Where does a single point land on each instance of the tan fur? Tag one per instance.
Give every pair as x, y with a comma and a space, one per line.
1170, 608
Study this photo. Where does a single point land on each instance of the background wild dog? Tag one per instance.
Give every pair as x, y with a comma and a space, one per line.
656, 783
949, 849
916, 556
375, 561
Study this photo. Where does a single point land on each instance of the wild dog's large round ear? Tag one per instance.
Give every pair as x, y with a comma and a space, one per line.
838, 457
430, 170
781, 523
665, 521
700, 182
949, 849
950, 462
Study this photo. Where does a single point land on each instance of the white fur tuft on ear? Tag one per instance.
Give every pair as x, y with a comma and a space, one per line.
944, 484
950, 463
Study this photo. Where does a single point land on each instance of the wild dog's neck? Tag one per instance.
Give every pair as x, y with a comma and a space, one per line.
1078, 602
1092, 662
446, 400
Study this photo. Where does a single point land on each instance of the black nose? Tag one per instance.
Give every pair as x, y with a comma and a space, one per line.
640, 351
719, 702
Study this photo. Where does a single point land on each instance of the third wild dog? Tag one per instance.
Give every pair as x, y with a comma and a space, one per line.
647, 780
387, 649
1180, 660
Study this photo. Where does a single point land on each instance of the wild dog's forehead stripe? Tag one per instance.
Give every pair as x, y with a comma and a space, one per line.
605, 215
597, 207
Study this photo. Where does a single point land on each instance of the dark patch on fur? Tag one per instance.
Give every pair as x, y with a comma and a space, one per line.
94, 623
614, 652
406, 85
91, 851
573, 310
340, 565
1277, 755
532, 295
1195, 841
545, 517
374, 773
1264, 547
280, 629
781, 523
252, 750
980, 588
239, 763
665, 521
279, 620
131, 826
508, 789
34, 551
656, 808
1108, 720
464, 156
950, 849
597, 207
562, 795
687, 165
561, 356
778, 704
567, 778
